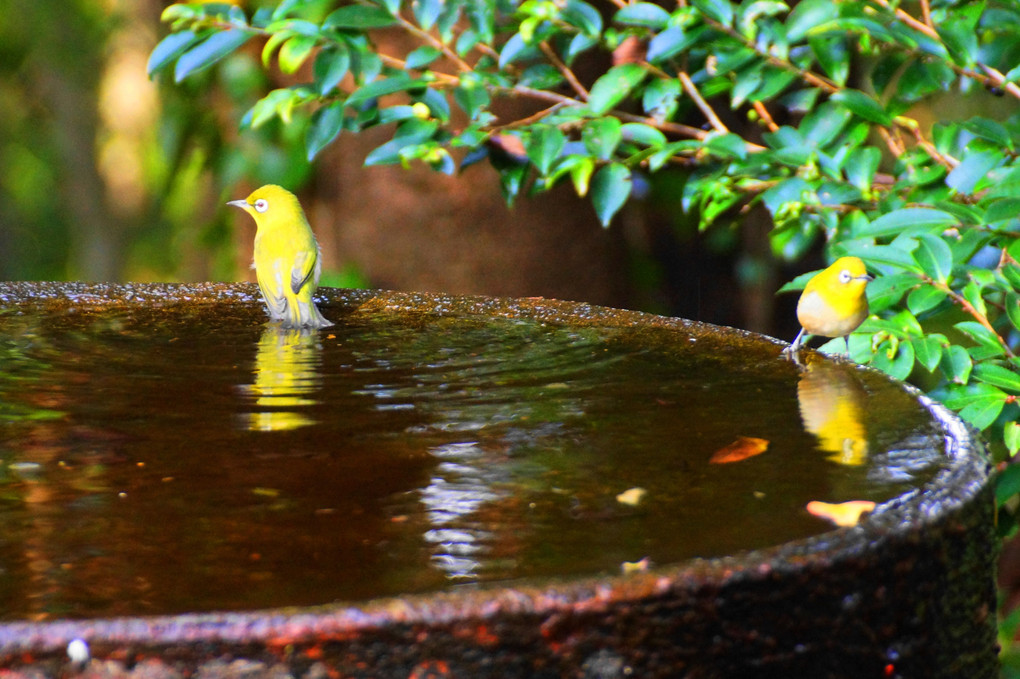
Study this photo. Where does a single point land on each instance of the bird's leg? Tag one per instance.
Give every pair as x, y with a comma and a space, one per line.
794, 348
846, 338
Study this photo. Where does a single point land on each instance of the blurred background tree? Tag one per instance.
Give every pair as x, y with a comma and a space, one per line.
108, 175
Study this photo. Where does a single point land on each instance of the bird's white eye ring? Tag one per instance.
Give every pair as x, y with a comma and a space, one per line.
261, 205
844, 275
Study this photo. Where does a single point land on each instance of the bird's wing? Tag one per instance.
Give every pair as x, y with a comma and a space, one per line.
275, 301
304, 269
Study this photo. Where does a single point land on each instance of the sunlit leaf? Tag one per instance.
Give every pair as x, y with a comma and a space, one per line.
632, 496
844, 514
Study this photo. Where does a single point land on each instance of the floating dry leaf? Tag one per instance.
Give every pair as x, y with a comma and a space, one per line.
632, 497
842, 513
741, 449
635, 566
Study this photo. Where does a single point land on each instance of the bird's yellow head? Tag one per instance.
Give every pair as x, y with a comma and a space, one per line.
270, 204
847, 274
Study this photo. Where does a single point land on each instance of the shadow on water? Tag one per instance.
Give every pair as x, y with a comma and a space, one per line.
157, 461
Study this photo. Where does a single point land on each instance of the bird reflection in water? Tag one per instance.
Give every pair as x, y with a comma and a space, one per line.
832, 405
287, 364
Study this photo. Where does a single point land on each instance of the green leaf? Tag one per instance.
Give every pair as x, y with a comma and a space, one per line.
614, 86
823, 124
580, 174
426, 12
726, 145
798, 283
644, 135
543, 147
956, 364
671, 42
807, 15
862, 105
601, 137
717, 10
934, 257
610, 189
378, 88
330, 67
894, 359
833, 55
872, 254
422, 57
972, 169
209, 51
295, 51
887, 291
985, 338
1011, 437
913, 218
642, 14
515, 49
928, 350
960, 41
1002, 209
472, 98
1013, 309
169, 48
325, 125
359, 17
411, 133
582, 16
996, 375
1007, 483
992, 130
981, 414
861, 165
924, 298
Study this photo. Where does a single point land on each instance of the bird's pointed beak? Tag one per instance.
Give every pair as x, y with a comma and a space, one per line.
243, 204
862, 277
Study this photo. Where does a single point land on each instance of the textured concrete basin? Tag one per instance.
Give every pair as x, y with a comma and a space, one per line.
908, 592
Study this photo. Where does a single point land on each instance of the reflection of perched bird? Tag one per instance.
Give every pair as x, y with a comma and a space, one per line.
832, 405
833, 303
286, 257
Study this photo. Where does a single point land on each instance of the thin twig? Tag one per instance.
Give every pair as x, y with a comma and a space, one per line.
969, 309
909, 20
709, 113
575, 84
999, 80
764, 114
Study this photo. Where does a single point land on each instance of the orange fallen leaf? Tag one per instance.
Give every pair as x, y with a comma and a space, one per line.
741, 449
842, 513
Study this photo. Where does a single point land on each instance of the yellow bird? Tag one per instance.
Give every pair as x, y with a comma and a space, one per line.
287, 259
833, 303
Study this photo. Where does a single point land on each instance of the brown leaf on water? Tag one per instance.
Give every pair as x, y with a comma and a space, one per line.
741, 449
842, 513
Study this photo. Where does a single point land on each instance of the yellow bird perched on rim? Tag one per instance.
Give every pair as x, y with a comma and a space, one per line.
833, 303
287, 258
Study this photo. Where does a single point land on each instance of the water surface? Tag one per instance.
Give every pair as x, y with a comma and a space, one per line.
161, 461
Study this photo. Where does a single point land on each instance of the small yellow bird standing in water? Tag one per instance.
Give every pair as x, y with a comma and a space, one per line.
833, 303
287, 261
